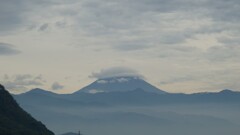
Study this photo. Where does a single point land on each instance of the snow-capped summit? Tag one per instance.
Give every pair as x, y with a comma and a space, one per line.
120, 84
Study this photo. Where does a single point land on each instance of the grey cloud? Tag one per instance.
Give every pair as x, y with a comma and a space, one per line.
107, 18
223, 53
143, 44
226, 11
8, 49
27, 79
22, 77
175, 38
114, 18
131, 45
223, 14
178, 51
149, 21
210, 80
12, 87
16, 14
233, 40
220, 79
226, 53
43, 27
57, 86
178, 79
119, 19
22, 82
10, 14
115, 72
61, 24
158, 27
5, 77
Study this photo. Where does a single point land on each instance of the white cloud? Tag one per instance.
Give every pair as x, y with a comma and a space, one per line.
102, 81
115, 72
95, 91
122, 80
43, 27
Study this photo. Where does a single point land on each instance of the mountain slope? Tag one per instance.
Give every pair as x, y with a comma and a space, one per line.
148, 113
15, 121
38, 91
41, 98
124, 83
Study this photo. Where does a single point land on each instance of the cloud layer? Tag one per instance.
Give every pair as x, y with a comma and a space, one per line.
22, 82
115, 72
57, 86
173, 43
8, 49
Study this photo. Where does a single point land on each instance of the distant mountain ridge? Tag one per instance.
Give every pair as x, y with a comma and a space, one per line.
108, 111
38, 91
15, 121
137, 96
123, 90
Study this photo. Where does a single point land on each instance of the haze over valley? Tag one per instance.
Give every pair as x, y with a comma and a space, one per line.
131, 106
119, 67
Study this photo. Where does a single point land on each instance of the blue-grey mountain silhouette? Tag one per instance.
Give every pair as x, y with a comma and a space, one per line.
15, 121
120, 84
131, 106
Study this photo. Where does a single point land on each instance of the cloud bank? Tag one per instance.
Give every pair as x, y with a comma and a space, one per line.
8, 49
22, 82
115, 72
57, 86
169, 41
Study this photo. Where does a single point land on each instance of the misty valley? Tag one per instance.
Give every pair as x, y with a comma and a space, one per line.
119, 67
131, 106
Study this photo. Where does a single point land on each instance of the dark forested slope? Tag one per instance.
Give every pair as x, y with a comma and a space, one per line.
15, 121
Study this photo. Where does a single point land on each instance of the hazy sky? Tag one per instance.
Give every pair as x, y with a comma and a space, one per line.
63, 45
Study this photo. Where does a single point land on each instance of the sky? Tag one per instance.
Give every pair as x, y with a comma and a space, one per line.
63, 45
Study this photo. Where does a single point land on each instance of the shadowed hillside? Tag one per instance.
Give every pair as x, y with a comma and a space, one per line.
15, 121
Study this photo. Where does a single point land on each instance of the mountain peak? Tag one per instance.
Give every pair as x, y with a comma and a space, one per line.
38, 91
226, 91
120, 84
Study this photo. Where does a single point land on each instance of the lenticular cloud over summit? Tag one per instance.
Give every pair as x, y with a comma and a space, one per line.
115, 72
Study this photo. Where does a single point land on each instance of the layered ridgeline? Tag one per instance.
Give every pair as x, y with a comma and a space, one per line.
121, 91
131, 106
15, 121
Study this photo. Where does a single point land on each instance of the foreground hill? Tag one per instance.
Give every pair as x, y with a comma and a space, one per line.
15, 121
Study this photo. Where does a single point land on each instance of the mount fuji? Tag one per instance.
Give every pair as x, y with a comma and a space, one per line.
120, 84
